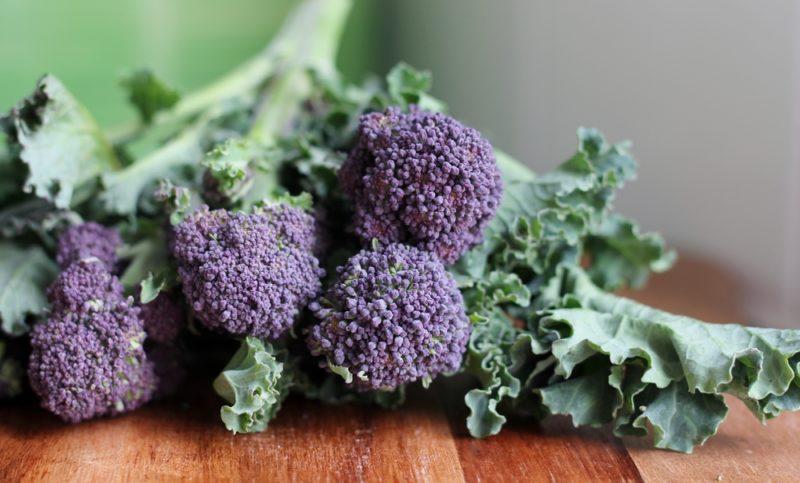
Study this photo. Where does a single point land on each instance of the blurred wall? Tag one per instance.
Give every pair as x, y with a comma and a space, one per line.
708, 92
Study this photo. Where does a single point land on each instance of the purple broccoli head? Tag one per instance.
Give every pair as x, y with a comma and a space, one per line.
88, 240
423, 179
84, 284
394, 316
247, 274
163, 318
91, 362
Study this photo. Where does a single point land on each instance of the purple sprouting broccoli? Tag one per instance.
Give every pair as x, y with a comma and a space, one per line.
163, 318
87, 359
88, 240
423, 179
84, 284
247, 274
394, 316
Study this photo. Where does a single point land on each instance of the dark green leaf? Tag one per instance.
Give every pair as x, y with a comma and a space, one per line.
148, 93
59, 141
25, 273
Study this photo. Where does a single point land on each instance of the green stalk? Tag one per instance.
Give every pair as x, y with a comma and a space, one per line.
311, 21
511, 169
308, 40
287, 91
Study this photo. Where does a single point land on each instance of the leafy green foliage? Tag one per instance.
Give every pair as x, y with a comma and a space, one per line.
176, 201
155, 283
148, 93
255, 384
601, 358
59, 142
148, 264
37, 216
24, 275
622, 256
568, 347
407, 86
123, 189
231, 165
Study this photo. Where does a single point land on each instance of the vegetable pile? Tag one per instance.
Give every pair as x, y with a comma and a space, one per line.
352, 239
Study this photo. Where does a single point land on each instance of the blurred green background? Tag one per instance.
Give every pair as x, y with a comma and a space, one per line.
89, 44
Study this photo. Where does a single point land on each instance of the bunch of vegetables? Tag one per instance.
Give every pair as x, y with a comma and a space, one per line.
354, 239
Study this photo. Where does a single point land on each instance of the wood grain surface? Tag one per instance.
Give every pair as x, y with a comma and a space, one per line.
423, 441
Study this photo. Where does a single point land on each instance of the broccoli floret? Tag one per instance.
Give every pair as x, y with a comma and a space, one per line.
163, 318
395, 315
88, 240
423, 179
84, 284
247, 274
11, 373
87, 359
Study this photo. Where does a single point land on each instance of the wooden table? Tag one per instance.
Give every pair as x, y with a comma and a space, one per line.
424, 441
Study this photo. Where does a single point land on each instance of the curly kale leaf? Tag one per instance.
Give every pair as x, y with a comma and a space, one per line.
623, 256
59, 142
569, 347
407, 86
123, 189
543, 221
148, 93
25, 273
666, 370
255, 384
37, 216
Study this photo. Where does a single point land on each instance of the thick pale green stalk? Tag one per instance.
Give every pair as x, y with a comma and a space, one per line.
311, 31
292, 85
511, 169
308, 40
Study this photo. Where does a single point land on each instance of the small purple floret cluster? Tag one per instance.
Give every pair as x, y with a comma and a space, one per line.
88, 357
247, 274
163, 319
423, 179
394, 316
83, 285
88, 240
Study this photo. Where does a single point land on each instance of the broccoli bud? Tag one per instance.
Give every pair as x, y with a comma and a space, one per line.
84, 284
88, 240
423, 179
395, 315
247, 274
87, 359
163, 318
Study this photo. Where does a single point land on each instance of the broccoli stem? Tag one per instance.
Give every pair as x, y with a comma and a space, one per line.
511, 169
312, 29
287, 91
308, 40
